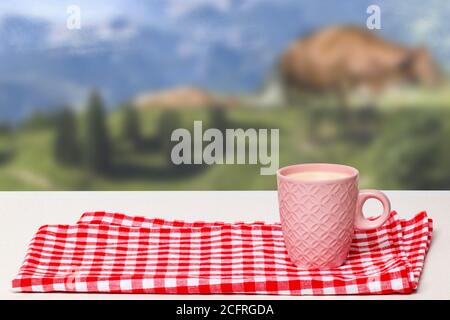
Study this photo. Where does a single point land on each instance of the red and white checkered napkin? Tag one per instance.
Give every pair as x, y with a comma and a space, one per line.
108, 252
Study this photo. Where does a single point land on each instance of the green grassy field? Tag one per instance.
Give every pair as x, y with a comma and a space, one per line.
32, 165
362, 138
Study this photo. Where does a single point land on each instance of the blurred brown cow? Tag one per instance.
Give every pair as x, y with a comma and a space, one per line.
344, 58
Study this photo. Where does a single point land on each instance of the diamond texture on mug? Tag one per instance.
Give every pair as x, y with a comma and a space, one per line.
179, 258
317, 229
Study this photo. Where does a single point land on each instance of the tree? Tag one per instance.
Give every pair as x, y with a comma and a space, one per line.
38, 120
218, 117
97, 146
66, 147
412, 152
131, 130
168, 122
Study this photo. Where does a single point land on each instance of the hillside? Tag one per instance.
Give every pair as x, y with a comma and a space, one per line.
410, 134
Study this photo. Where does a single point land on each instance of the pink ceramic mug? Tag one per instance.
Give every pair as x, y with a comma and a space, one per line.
318, 216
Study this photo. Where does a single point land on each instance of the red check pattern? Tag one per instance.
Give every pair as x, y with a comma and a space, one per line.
143, 222
116, 253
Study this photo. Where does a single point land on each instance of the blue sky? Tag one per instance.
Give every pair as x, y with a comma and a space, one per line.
92, 11
96, 11
420, 14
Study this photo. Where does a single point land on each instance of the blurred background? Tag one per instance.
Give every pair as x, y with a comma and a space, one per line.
93, 108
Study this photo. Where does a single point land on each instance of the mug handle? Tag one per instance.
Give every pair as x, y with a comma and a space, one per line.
361, 222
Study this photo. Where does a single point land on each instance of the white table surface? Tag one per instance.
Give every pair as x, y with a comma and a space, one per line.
23, 212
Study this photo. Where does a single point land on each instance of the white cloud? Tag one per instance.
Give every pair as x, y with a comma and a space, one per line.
55, 10
187, 49
179, 8
422, 27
